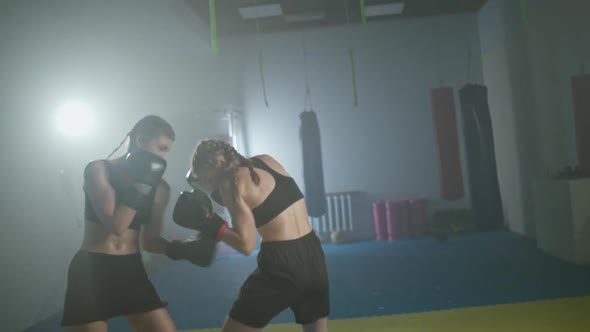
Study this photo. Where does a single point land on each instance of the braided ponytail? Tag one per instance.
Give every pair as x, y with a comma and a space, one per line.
234, 160
118, 147
248, 163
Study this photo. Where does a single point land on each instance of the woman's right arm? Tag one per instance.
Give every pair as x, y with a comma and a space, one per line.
115, 218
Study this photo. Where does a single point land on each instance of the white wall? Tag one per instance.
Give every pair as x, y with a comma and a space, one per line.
505, 68
127, 59
384, 147
527, 68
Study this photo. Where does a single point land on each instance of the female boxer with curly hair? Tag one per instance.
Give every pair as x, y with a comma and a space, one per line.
262, 197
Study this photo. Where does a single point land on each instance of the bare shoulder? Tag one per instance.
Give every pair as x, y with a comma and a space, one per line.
94, 167
273, 163
163, 192
242, 178
164, 186
95, 176
241, 173
95, 171
244, 184
266, 158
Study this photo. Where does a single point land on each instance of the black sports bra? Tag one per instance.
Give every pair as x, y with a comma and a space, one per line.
285, 193
142, 217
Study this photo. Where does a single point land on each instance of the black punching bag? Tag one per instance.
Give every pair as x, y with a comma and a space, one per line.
486, 202
313, 171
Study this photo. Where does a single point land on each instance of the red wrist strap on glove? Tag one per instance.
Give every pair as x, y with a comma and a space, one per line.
222, 227
221, 232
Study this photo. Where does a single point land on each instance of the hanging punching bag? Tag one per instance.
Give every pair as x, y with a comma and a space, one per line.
581, 101
486, 202
447, 143
313, 172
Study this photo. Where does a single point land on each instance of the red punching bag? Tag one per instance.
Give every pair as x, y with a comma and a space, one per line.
447, 143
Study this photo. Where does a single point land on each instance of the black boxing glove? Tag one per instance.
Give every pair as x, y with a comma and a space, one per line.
194, 210
200, 252
144, 173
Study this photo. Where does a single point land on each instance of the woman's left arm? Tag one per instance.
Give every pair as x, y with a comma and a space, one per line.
152, 240
242, 235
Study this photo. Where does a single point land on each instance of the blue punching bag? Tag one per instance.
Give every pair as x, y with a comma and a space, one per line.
313, 172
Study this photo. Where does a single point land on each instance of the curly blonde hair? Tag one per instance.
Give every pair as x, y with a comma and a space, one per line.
207, 152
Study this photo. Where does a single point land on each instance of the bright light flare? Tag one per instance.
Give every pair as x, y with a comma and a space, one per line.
74, 118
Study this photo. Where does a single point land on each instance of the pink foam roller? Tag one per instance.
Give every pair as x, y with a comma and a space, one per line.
418, 217
397, 213
379, 220
389, 217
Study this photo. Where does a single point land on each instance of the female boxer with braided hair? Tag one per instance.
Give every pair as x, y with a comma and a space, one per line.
261, 196
125, 201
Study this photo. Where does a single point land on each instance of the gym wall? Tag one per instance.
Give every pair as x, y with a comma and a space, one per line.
148, 57
528, 62
386, 145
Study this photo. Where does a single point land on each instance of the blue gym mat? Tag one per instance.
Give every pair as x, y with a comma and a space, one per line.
381, 278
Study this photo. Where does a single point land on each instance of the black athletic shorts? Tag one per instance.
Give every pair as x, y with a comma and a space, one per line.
102, 286
290, 274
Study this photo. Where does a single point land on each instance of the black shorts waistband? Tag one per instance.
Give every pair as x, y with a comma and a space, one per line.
104, 255
311, 236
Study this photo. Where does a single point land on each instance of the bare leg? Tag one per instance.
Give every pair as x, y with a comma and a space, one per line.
156, 320
100, 326
320, 325
232, 325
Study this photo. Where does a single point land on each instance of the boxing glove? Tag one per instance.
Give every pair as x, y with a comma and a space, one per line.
200, 252
194, 210
144, 173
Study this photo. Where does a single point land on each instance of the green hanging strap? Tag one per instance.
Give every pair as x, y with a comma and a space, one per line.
523, 11
213, 27
356, 100
261, 68
363, 17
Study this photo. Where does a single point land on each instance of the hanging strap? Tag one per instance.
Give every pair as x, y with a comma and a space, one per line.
351, 56
261, 64
213, 27
523, 13
307, 90
363, 16
262, 81
307, 100
356, 99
